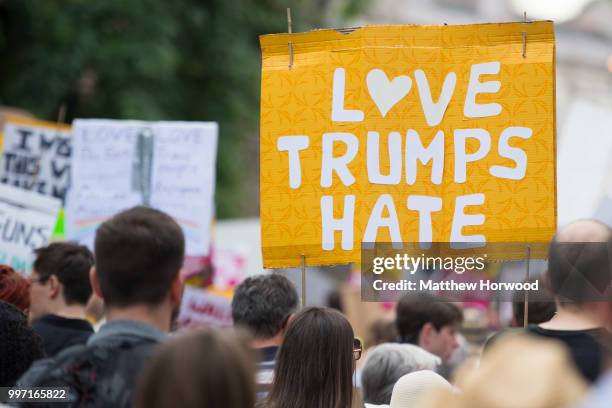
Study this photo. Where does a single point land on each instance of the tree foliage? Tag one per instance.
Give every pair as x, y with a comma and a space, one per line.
153, 60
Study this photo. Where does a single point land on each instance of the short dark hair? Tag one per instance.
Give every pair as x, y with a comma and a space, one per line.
139, 252
413, 311
71, 263
541, 304
579, 272
263, 304
20, 346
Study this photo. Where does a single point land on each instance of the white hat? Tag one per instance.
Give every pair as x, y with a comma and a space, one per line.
409, 388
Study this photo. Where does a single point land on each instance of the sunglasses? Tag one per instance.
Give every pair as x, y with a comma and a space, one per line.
357, 348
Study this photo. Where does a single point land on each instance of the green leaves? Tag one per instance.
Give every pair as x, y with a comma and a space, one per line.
153, 60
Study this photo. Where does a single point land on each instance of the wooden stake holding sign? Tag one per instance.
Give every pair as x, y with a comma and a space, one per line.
303, 281
289, 30
524, 36
302, 256
526, 306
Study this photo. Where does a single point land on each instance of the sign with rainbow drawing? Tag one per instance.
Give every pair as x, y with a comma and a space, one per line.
165, 165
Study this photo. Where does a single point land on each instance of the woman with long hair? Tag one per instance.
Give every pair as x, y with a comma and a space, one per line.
202, 369
315, 362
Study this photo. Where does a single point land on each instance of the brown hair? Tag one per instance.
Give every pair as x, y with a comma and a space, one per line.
204, 368
413, 311
139, 252
71, 263
541, 304
315, 362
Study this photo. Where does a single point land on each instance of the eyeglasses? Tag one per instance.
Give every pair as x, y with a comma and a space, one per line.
357, 348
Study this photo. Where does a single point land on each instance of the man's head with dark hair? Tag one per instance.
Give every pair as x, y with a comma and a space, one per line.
139, 253
428, 322
541, 305
19, 345
60, 278
580, 263
264, 304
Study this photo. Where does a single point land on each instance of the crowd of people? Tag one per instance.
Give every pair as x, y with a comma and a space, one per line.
279, 355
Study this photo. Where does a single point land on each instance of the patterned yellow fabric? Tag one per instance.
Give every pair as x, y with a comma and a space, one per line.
298, 101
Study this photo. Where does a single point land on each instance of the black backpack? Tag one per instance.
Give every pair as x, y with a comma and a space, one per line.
103, 374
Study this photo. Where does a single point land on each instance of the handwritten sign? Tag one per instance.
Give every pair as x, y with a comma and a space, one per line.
26, 223
86, 210
406, 134
165, 165
202, 308
97, 144
36, 156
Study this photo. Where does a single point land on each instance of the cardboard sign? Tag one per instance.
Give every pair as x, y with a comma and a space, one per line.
200, 307
85, 211
166, 165
26, 223
406, 134
36, 156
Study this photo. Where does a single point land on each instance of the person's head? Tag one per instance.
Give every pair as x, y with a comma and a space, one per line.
203, 368
14, 288
139, 253
264, 304
334, 300
579, 265
315, 362
428, 322
387, 363
382, 331
60, 278
519, 371
19, 345
541, 305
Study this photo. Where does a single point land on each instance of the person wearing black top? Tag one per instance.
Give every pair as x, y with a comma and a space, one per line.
60, 332
586, 348
579, 275
59, 291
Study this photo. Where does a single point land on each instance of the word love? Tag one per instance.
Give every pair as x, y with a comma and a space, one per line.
387, 93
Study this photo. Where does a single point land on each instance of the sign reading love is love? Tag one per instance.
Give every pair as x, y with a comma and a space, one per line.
406, 134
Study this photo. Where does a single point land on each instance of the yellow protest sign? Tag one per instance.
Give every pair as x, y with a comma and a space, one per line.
406, 134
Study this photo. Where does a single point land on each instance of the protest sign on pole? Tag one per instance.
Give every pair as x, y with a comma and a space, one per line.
26, 223
406, 134
166, 165
36, 156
